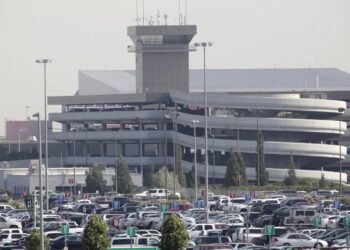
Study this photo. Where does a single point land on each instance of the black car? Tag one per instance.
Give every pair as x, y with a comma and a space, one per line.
279, 215
270, 208
212, 240
262, 221
74, 242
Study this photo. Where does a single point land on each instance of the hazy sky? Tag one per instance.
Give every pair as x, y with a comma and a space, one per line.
91, 34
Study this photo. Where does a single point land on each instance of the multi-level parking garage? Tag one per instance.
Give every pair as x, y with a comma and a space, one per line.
140, 115
289, 124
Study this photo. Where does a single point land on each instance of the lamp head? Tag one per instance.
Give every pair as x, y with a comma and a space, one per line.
43, 61
32, 139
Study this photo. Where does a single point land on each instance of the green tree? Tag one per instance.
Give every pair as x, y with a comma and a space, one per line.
174, 234
261, 173
33, 241
232, 170
148, 177
190, 177
96, 234
291, 179
241, 167
322, 182
125, 184
94, 181
179, 169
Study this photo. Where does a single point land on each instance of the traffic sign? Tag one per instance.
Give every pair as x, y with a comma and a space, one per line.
163, 208
316, 221
269, 230
175, 205
347, 220
336, 204
248, 197
65, 229
131, 231
116, 204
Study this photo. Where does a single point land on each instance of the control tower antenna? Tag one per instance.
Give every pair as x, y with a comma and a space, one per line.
186, 5
165, 19
143, 12
137, 12
158, 17
179, 12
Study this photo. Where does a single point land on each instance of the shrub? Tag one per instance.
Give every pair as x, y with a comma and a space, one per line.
33, 241
96, 234
174, 234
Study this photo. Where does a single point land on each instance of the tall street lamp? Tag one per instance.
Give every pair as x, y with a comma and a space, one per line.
37, 115
341, 111
44, 62
204, 45
116, 164
138, 118
74, 163
166, 118
194, 122
175, 115
19, 138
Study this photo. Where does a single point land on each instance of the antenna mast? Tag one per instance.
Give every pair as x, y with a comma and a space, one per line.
186, 3
143, 12
179, 12
137, 12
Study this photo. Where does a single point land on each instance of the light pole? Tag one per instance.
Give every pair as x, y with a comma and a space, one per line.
116, 164
213, 146
166, 117
74, 164
194, 122
19, 138
138, 118
341, 110
204, 45
40, 185
44, 62
258, 153
27, 117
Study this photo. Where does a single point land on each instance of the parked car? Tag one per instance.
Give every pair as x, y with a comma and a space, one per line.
9, 223
298, 240
74, 242
4, 196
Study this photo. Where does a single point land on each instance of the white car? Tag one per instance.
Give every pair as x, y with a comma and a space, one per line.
9, 223
127, 221
142, 196
298, 240
325, 218
241, 234
8, 238
333, 222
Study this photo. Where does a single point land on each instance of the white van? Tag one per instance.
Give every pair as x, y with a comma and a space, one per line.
136, 241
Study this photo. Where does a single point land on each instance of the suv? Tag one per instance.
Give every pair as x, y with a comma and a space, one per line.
159, 193
4, 196
211, 240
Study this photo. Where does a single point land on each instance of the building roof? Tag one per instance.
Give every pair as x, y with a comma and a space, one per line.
103, 82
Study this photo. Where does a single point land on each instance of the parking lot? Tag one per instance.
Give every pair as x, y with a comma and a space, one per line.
284, 219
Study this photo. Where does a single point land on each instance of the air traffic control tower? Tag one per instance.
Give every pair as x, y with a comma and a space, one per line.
162, 61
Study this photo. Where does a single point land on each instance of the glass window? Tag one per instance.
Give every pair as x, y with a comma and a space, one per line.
125, 241
299, 213
131, 149
208, 227
150, 149
310, 213
142, 241
150, 126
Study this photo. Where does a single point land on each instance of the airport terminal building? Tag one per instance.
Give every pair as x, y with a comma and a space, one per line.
141, 114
